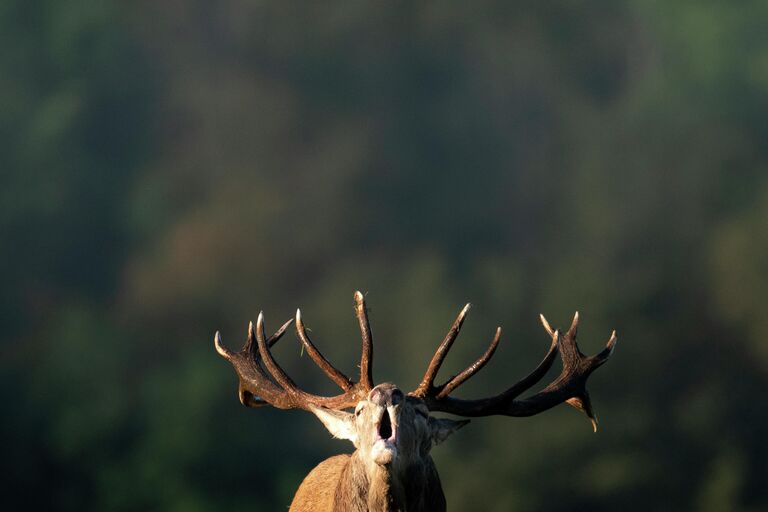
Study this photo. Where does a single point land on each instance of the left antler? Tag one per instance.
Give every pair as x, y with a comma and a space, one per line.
568, 387
264, 382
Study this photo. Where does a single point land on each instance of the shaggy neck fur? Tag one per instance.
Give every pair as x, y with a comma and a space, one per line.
366, 486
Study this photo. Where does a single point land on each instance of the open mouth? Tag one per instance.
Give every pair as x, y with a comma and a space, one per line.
384, 448
385, 427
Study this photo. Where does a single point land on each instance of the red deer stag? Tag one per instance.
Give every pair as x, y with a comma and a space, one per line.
391, 469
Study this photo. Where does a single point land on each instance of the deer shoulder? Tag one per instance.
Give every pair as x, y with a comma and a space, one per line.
318, 489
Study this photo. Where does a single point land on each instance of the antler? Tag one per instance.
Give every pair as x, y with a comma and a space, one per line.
264, 382
568, 387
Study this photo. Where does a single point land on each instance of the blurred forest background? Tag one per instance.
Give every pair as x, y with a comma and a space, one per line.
168, 169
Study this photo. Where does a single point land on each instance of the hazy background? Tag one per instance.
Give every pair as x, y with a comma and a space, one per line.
168, 169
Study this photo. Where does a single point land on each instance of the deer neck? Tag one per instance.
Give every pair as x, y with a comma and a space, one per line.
410, 487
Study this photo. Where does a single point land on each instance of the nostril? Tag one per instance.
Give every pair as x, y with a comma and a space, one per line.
397, 396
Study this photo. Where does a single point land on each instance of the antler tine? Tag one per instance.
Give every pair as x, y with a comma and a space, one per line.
574, 325
427, 382
472, 369
546, 325
604, 354
569, 349
279, 333
274, 369
220, 348
366, 356
335, 375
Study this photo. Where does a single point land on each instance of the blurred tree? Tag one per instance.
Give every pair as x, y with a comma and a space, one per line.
75, 98
171, 168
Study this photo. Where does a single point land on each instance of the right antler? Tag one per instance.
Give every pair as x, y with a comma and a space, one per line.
264, 382
568, 387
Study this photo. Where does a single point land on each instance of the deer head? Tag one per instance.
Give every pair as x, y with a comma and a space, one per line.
388, 427
392, 431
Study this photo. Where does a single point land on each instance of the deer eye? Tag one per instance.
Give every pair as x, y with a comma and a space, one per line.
359, 410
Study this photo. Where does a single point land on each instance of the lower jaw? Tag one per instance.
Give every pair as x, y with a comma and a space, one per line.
384, 452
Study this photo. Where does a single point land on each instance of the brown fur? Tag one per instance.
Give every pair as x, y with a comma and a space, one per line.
345, 483
318, 490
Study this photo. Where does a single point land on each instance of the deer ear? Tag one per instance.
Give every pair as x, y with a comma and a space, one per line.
340, 424
441, 428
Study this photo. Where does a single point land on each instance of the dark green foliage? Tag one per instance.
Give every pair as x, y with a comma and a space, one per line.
169, 169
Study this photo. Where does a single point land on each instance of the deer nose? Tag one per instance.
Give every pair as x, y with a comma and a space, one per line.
383, 395
377, 396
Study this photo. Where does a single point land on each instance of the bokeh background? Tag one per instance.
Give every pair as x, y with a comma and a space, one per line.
168, 169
